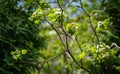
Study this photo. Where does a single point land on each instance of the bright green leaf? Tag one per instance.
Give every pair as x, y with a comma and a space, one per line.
82, 55
36, 21
24, 51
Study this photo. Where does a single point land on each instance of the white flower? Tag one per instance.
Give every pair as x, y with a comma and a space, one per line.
100, 23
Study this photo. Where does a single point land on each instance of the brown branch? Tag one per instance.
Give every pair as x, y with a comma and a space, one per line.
94, 31
81, 61
60, 5
78, 44
66, 45
69, 4
56, 32
55, 56
78, 63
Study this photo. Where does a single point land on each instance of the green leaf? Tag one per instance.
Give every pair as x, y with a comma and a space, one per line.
16, 56
81, 56
67, 26
24, 51
36, 21
93, 49
12, 52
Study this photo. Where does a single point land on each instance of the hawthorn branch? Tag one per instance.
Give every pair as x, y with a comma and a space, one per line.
94, 31
90, 21
66, 45
78, 44
56, 32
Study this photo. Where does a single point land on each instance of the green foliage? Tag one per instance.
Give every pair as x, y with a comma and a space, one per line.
81, 37
111, 8
81, 56
98, 58
19, 39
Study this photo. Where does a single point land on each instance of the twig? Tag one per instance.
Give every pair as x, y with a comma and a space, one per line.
78, 44
66, 45
94, 31
55, 57
56, 32
48, 66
